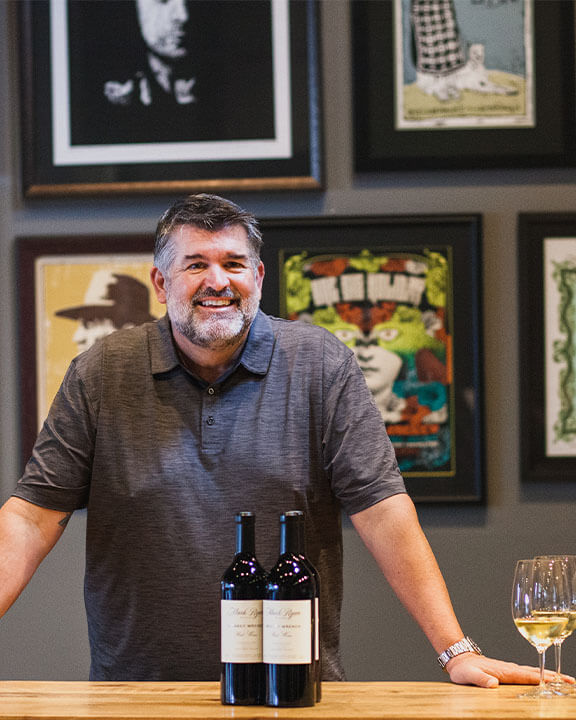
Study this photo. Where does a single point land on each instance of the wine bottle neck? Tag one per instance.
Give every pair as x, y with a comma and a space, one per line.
292, 535
245, 535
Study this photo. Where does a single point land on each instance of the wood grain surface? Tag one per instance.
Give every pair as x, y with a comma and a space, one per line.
340, 701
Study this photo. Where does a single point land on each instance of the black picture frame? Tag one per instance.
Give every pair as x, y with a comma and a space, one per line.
379, 146
546, 249
458, 238
55, 273
251, 118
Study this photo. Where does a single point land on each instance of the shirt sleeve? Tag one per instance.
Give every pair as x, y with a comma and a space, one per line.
57, 476
358, 454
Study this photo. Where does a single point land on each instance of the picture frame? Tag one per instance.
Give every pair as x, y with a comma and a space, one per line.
72, 290
546, 268
330, 271
105, 114
380, 146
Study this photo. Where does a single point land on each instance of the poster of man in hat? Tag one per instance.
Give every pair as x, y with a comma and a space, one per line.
112, 301
79, 300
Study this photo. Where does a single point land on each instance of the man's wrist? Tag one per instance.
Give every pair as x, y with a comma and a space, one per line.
458, 648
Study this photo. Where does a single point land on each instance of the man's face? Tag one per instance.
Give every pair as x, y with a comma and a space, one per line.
89, 331
212, 289
163, 26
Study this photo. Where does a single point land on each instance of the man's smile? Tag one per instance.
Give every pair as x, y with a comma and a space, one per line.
216, 302
215, 299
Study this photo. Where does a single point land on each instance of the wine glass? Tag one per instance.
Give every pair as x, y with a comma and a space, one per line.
539, 593
568, 564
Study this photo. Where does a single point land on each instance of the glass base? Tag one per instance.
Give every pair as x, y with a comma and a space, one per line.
561, 688
540, 691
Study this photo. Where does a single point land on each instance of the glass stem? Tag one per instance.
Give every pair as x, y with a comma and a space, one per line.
557, 655
542, 661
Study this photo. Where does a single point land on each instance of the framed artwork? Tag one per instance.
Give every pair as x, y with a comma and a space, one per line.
73, 290
463, 84
404, 294
136, 96
547, 333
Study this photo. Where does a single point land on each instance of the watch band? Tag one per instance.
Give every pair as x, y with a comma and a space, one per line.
462, 646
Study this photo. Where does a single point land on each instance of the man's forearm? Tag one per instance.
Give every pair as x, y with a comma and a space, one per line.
392, 533
27, 534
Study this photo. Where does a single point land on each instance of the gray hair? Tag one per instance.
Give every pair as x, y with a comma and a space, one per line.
207, 212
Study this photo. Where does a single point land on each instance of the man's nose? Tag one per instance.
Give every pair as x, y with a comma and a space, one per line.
180, 11
216, 277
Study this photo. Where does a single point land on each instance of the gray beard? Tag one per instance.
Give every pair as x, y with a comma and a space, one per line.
218, 332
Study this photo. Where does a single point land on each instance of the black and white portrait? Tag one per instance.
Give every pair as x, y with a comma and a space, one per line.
167, 72
122, 96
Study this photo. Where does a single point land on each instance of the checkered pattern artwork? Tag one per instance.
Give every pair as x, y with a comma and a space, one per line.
436, 38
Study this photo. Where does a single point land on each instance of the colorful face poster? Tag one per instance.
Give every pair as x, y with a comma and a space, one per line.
560, 345
80, 298
393, 309
463, 64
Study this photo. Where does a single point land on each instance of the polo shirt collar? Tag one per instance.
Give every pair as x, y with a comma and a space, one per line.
256, 355
163, 355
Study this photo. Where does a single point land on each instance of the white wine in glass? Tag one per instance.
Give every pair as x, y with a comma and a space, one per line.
567, 563
536, 593
541, 631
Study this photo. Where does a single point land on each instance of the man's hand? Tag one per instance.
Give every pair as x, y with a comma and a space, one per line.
472, 669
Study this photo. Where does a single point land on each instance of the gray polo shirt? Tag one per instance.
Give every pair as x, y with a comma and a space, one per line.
162, 461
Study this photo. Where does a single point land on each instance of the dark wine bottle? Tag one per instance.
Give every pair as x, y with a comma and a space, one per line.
289, 621
317, 645
243, 587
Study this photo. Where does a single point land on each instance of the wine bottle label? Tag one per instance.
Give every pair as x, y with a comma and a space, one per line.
287, 628
241, 631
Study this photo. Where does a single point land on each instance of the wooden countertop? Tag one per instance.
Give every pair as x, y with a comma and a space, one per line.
24, 700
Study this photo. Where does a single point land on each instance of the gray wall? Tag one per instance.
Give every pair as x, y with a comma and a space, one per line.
44, 636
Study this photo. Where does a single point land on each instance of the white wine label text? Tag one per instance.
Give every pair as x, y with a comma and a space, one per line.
287, 629
241, 636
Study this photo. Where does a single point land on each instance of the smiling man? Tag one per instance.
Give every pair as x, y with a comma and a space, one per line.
211, 284
165, 431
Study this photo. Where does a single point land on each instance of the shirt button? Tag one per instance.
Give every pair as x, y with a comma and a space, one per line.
210, 420
211, 391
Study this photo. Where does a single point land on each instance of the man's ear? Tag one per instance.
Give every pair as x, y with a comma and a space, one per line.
159, 283
260, 275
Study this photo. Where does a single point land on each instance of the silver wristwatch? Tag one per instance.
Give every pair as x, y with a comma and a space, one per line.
462, 646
